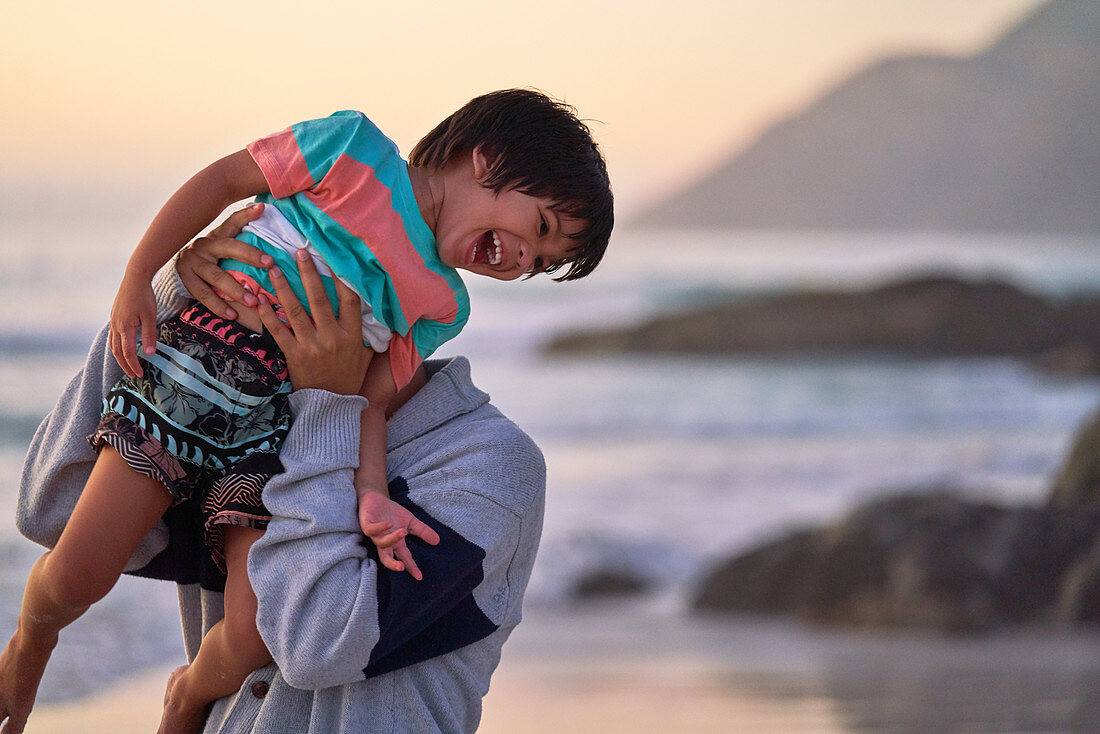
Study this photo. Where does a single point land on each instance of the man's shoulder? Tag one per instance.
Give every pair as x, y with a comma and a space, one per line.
484, 453
450, 437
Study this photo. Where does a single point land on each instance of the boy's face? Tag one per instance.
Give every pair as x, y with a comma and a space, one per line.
502, 236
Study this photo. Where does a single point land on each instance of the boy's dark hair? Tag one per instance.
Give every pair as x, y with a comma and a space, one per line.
539, 146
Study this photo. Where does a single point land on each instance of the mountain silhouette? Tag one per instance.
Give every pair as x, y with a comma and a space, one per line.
1007, 140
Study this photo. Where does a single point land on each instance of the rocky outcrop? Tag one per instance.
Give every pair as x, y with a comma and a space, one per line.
1078, 482
931, 316
916, 560
933, 559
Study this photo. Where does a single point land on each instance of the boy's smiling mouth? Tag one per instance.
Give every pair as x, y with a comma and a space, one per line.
486, 250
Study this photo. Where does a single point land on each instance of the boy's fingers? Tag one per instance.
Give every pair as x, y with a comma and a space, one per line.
129, 352
208, 297
424, 532
315, 292
371, 529
116, 350
389, 540
112, 343
235, 222
385, 557
149, 334
212, 249
403, 554
204, 279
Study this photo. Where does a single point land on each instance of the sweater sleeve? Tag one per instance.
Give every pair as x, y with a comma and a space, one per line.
329, 613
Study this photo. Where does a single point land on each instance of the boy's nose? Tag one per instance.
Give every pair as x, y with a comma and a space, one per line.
524, 257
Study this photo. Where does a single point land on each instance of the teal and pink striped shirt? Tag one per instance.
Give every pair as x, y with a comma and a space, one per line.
339, 185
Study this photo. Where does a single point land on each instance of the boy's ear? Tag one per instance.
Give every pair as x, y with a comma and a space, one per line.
481, 164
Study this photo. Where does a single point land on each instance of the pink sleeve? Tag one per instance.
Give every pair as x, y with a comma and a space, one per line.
404, 359
281, 161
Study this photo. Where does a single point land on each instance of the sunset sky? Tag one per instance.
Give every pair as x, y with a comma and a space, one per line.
139, 95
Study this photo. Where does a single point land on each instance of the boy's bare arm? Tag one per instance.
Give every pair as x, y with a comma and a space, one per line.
371, 476
186, 213
379, 390
382, 520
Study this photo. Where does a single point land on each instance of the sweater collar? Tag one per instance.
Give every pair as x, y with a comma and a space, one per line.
448, 394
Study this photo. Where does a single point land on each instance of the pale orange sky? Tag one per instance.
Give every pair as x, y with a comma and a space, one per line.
149, 92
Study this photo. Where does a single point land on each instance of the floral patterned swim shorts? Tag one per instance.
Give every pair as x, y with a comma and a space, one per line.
206, 418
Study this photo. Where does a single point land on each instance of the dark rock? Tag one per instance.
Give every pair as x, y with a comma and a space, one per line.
1079, 601
768, 580
928, 560
932, 559
1078, 482
1071, 360
922, 317
604, 583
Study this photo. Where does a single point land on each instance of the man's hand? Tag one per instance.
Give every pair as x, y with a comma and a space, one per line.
387, 524
197, 264
321, 351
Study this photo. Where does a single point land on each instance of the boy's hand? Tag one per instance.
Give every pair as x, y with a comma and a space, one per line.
387, 524
197, 264
135, 309
134, 312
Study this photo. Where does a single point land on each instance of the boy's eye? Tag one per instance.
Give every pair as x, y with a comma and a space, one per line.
543, 226
536, 265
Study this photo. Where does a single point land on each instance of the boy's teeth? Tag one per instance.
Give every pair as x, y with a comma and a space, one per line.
494, 256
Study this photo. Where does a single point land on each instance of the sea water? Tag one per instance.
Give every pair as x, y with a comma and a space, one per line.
658, 466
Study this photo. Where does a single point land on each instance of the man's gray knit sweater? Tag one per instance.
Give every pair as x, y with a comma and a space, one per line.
356, 648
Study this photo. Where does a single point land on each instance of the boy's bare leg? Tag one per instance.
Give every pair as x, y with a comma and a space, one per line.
230, 650
116, 509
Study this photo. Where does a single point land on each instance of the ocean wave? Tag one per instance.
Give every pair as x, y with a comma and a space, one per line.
20, 344
17, 430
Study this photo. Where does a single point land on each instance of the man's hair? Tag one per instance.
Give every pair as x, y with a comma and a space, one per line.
538, 146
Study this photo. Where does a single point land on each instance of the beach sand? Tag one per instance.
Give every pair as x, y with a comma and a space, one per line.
568, 671
532, 700
525, 699
132, 706
618, 669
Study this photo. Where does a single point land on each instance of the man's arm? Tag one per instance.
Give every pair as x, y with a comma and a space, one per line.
328, 612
